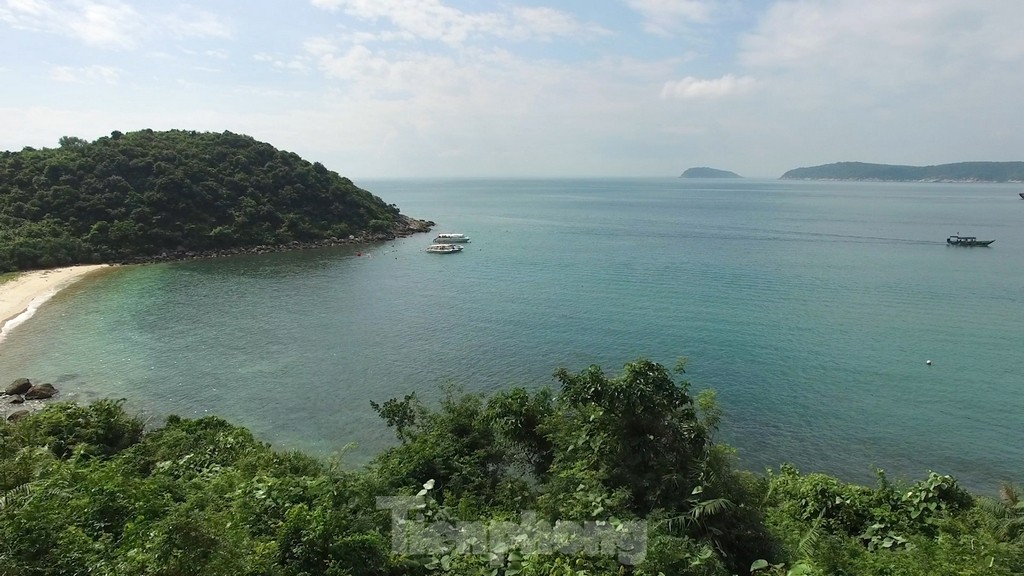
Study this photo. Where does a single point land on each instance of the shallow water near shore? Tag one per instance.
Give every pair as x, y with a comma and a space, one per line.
811, 307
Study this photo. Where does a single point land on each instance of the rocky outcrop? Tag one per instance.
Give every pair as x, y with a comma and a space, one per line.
17, 415
22, 397
19, 386
40, 392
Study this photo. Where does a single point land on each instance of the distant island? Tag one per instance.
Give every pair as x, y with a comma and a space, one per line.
957, 172
704, 172
146, 195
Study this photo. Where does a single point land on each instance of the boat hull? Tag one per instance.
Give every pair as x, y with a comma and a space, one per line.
969, 242
449, 238
444, 249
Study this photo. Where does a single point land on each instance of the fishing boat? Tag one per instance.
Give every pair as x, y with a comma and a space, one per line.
444, 248
1021, 194
958, 240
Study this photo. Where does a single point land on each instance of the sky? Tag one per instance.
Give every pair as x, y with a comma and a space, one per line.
544, 88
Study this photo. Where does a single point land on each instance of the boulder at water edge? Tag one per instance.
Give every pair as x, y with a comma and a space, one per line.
40, 392
19, 386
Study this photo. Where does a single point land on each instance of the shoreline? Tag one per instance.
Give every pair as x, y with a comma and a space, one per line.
405, 227
26, 292
23, 295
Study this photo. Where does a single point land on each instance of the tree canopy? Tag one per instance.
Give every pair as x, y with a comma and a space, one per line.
492, 486
145, 193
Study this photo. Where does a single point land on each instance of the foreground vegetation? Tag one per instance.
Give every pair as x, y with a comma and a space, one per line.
85, 489
146, 193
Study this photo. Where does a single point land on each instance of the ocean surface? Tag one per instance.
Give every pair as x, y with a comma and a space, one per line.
810, 307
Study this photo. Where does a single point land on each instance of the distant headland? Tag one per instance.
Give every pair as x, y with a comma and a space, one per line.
957, 172
146, 195
704, 172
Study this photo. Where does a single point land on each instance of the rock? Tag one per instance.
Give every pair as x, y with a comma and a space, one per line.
17, 415
19, 386
40, 392
16, 399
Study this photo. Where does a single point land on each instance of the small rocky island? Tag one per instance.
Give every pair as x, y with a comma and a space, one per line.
705, 172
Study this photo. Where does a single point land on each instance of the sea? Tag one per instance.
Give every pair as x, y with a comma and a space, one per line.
839, 331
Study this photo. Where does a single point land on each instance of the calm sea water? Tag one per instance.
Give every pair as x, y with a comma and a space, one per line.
810, 307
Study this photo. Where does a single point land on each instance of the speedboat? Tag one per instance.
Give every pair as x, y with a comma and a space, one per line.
449, 237
958, 240
444, 248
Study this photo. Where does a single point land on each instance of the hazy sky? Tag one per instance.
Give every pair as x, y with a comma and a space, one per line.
380, 88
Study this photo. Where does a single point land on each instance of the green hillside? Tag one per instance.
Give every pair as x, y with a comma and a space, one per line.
958, 172
146, 194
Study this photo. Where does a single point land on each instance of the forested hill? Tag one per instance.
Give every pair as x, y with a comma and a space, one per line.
145, 194
958, 172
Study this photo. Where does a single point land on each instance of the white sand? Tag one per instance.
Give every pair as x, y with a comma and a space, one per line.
20, 297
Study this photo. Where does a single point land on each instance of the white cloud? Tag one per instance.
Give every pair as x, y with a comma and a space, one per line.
63, 74
294, 64
23, 7
426, 19
433, 20
901, 65
107, 74
691, 87
876, 80
108, 23
357, 63
527, 22
20, 13
869, 38
331, 5
319, 46
198, 24
664, 16
432, 88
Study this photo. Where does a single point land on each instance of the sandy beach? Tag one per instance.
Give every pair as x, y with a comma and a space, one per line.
20, 297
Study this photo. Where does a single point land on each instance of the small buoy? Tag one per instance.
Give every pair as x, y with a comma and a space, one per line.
928, 362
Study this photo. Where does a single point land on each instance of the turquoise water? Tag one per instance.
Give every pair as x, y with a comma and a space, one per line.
810, 307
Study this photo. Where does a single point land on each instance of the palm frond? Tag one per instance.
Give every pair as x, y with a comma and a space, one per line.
14, 496
806, 547
1009, 494
711, 507
994, 508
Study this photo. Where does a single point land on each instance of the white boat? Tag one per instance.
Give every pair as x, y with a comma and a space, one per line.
449, 237
444, 248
